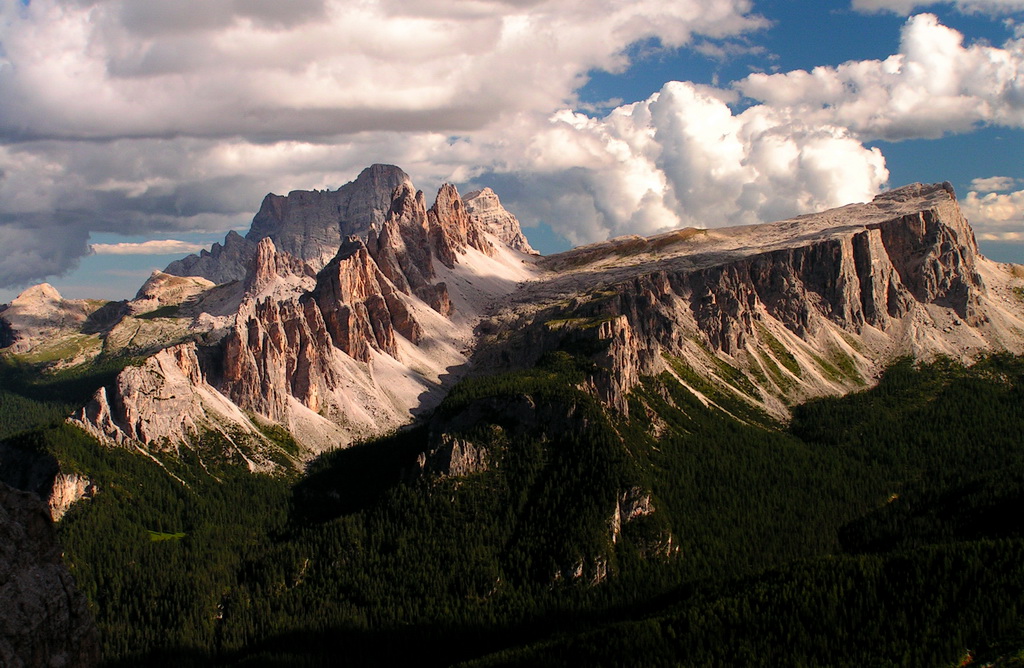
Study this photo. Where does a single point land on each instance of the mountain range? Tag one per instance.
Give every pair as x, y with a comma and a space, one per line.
343, 317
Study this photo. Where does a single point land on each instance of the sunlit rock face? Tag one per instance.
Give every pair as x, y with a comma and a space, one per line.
783, 303
484, 207
333, 350
358, 344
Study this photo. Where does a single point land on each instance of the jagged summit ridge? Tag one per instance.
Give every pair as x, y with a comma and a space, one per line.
307, 224
485, 207
814, 305
311, 225
339, 352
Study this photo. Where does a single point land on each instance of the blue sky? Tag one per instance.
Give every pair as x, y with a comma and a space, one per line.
792, 43
149, 129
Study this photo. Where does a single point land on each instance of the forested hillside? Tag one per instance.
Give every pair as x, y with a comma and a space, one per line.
880, 528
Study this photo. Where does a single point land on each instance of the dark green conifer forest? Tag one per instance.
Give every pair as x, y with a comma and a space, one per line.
881, 528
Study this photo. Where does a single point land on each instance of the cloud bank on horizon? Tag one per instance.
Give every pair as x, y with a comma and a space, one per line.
967, 6
165, 118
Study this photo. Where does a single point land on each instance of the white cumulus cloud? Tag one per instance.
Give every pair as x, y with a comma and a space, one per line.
164, 117
993, 184
933, 86
158, 117
996, 216
995, 7
684, 158
321, 68
152, 247
689, 156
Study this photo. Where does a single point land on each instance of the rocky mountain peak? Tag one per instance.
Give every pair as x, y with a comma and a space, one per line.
37, 296
40, 313
485, 208
807, 306
310, 225
332, 351
270, 269
400, 244
162, 289
360, 305
798, 308
450, 228
223, 263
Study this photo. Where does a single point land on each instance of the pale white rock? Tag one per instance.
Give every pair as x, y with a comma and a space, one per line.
161, 290
223, 263
39, 314
629, 505
308, 225
166, 403
456, 457
484, 207
353, 351
68, 488
402, 310
842, 292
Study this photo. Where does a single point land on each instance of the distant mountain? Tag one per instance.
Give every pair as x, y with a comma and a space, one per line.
346, 313
780, 312
614, 435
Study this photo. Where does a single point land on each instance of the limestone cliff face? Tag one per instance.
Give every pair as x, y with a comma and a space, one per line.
281, 350
68, 489
873, 276
630, 504
161, 399
451, 453
933, 250
26, 468
484, 208
38, 314
166, 404
269, 266
450, 229
311, 225
223, 263
361, 306
44, 619
849, 288
402, 251
778, 312
278, 351
454, 456
308, 225
324, 352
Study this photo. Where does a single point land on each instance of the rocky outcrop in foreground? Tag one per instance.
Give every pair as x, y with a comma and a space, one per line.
44, 619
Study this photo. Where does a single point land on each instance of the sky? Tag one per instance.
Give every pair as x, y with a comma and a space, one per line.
133, 132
